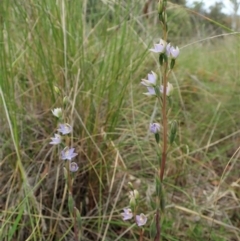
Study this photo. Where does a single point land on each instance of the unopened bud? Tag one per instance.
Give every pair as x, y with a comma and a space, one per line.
70, 203
134, 194
132, 203
160, 6
173, 131
65, 100
56, 89
65, 172
57, 112
130, 185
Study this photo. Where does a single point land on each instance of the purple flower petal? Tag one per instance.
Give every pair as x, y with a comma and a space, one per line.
55, 140
127, 214
68, 154
154, 128
65, 128
141, 219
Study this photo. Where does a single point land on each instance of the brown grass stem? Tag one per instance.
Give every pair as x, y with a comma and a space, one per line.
165, 130
164, 122
158, 226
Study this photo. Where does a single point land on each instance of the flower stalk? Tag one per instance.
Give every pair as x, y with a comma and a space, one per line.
167, 59
162, 91
70, 167
164, 122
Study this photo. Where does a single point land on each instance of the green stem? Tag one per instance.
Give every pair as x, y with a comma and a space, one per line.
75, 224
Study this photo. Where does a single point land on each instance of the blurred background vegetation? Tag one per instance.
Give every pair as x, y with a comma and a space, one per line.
96, 53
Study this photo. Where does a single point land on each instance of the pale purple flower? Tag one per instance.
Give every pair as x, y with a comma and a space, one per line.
168, 90
65, 129
160, 47
141, 219
73, 166
56, 139
151, 91
151, 81
172, 52
68, 154
168, 47
154, 128
57, 112
127, 214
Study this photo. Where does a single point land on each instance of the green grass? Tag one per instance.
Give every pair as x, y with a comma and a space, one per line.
97, 54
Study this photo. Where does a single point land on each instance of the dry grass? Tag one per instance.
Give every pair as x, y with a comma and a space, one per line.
98, 65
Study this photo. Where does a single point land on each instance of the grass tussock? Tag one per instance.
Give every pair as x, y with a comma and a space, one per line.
96, 53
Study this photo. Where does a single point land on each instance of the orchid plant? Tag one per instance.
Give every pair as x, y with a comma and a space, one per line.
67, 154
162, 91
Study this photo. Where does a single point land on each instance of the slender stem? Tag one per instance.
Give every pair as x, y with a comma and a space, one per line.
75, 224
158, 234
164, 147
164, 122
69, 178
141, 235
165, 141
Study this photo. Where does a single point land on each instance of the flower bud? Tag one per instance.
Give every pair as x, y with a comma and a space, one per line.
130, 185
132, 203
70, 203
56, 89
169, 89
65, 100
73, 166
160, 7
173, 131
172, 63
134, 194
57, 112
165, 19
65, 172
157, 137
